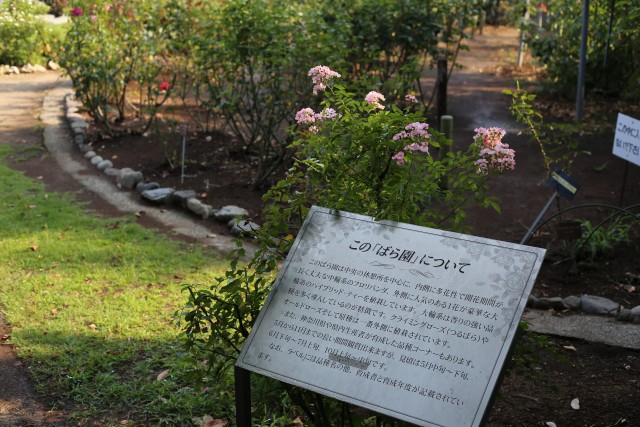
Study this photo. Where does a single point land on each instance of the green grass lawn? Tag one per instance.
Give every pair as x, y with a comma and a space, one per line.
92, 301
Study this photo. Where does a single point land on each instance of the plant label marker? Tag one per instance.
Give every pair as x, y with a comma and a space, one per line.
183, 132
626, 145
627, 139
412, 322
563, 185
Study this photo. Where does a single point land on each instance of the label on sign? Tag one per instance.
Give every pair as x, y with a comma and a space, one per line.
564, 185
627, 139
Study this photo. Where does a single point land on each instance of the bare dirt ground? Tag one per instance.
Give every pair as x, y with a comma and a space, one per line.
606, 380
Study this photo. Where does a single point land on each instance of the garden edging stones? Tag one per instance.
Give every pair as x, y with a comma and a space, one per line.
62, 146
129, 179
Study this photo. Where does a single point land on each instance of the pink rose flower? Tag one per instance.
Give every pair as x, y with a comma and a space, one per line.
374, 98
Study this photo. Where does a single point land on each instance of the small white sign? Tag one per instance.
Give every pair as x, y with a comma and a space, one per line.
627, 139
407, 321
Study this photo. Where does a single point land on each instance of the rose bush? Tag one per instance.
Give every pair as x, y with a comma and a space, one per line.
357, 155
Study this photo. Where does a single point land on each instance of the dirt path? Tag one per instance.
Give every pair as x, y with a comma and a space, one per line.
20, 103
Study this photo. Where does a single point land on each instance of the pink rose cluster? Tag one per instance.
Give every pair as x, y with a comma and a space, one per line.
494, 154
320, 76
308, 117
374, 98
416, 130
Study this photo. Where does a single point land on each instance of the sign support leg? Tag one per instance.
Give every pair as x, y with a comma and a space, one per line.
540, 215
624, 183
243, 397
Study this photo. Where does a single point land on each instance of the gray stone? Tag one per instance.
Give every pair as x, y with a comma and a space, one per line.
128, 178
636, 310
39, 68
84, 148
626, 315
53, 66
89, 154
555, 303
598, 305
96, 159
111, 171
227, 213
244, 227
158, 195
144, 186
573, 302
78, 122
199, 208
13, 70
78, 139
181, 197
105, 164
27, 69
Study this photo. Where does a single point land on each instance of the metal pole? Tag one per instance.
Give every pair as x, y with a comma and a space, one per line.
540, 215
441, 100
583, 61
184, 149
446, 127
521, 46
624, 183
243, 397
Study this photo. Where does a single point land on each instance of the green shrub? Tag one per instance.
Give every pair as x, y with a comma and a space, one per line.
359, 155
19, 32
612, 49
111, 45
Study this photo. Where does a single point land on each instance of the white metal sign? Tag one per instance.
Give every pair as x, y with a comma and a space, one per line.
408, 321
627, 139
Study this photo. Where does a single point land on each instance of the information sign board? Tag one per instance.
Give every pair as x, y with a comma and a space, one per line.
408, 321
627, 139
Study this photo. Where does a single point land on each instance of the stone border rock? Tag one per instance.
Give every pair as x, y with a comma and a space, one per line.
129, 179
589, 304
28, 68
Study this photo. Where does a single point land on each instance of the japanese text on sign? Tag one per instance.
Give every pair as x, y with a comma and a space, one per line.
362, 309
627, 139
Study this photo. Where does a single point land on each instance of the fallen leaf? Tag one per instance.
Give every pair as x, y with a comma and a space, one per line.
32, 206
216, 423
630, 288
209, 421
124, 422
5, 337
569, 347
140, 213
551, 424
92, 326
162, 375
298, 422
575, 403
54, 311
34, 248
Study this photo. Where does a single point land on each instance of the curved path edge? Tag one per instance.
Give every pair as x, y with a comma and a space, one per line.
58, 140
